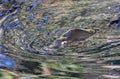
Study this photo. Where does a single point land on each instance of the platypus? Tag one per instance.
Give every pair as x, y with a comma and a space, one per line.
70, 36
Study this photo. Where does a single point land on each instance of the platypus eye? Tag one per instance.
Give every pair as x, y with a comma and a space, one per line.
64, 42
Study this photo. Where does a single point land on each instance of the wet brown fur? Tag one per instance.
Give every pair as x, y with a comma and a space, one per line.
78, 35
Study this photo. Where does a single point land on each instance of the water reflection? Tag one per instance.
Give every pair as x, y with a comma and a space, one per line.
6, 61
24, 37
103, 47
114, 62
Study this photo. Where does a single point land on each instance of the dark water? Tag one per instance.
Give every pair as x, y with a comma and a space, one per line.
27, 26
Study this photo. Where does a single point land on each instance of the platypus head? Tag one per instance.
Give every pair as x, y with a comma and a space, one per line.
58, 43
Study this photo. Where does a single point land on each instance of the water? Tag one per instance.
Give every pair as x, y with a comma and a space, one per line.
36, 24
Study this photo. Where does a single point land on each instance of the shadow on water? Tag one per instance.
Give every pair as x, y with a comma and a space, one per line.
29, 67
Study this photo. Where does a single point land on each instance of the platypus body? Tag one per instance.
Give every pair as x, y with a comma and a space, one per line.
71, 36
77, 35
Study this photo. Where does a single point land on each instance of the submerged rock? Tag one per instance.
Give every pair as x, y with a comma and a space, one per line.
6, 61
